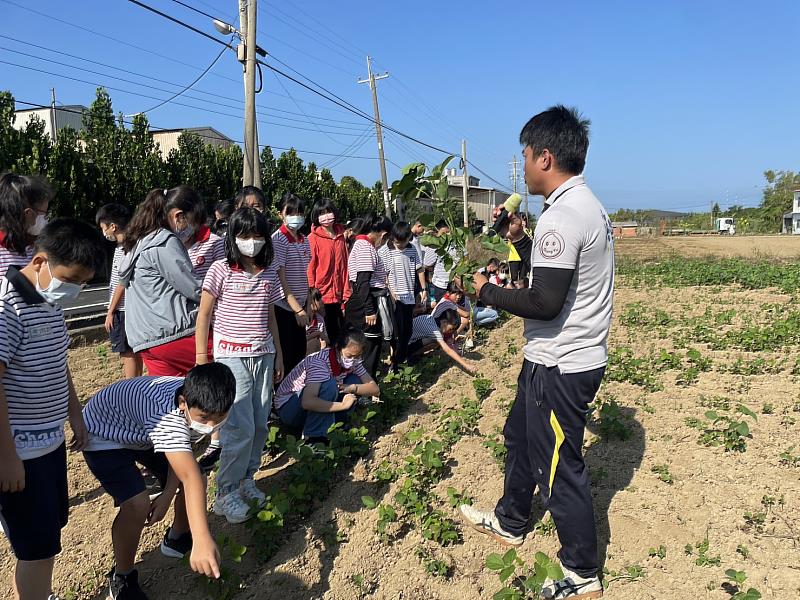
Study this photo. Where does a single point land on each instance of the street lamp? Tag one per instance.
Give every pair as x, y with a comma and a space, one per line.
228, 29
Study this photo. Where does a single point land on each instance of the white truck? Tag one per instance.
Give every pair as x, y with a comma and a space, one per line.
725, 225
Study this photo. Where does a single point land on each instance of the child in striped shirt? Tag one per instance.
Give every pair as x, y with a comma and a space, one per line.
186, 214
405, 270
323, 388
112, 220
239, 292
24, 201
430, 329
153, 421
38, 397
292, 255
316, 331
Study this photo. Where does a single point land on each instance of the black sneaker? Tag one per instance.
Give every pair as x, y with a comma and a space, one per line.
209, 459
124, 587
176, 548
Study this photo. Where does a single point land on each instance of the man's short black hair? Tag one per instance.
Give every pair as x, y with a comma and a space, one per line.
401, 231
113, 214
441, 223
69, 242
493, 262
563, 132
210, 388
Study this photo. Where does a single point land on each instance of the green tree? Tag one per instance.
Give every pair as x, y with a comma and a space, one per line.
778, 196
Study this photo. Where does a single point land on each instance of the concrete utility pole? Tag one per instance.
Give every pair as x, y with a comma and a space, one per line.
247, 55
371, 79
514, 176
465, 182
53, 115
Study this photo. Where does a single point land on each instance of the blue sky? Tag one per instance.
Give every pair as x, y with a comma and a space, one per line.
690, 101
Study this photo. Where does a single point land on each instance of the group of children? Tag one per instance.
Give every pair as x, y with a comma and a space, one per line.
233, 325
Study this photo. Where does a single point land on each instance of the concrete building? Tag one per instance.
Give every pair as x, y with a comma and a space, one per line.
481, 200
791, 221
625, 229
55, 119
167, 139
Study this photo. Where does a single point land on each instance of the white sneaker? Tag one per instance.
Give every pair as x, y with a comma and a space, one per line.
233, 507
486, 522
572, 586
250, 492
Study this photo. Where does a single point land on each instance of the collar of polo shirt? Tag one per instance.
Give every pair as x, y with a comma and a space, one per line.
24, 287
570, 183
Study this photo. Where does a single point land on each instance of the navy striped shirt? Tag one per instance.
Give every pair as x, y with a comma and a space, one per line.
139, 414
119, 254
33, 348
425, 327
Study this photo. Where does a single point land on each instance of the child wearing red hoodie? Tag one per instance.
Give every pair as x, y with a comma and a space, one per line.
327, 270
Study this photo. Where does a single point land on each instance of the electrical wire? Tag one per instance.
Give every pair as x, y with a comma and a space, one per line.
126, 91
188, 87
157, 129
179, 22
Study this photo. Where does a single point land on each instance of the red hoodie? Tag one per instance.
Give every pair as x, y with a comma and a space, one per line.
327, 270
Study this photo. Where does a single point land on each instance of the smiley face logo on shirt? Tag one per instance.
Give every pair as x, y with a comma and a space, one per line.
551, 245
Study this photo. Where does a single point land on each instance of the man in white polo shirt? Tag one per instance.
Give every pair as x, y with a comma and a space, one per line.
567, 313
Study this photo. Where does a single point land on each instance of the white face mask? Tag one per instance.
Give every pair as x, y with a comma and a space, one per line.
294, 221
250, 247
58, 290
203, 428
36, 228
348, 362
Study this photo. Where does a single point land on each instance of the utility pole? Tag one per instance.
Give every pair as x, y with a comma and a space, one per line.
465, 182
371, 79
514, 176
247, 55
53, 115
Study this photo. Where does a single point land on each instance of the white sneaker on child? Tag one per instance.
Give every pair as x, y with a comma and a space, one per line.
485, 521
233, 507
572, 586
249, 492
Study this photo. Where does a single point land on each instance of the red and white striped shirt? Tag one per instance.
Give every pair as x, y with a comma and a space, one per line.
317, 325
314, 368
241, 312
9, 257
208, 249
293, 254
447, 303
364, 257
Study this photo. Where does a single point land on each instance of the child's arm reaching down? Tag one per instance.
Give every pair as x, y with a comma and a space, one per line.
205, 555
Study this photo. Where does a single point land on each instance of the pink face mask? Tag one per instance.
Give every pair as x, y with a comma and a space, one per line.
327, 219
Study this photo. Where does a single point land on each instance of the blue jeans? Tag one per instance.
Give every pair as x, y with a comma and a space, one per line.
245, 431
315, 424
484, 316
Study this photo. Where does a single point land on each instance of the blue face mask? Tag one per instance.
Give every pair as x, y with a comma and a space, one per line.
58, 291
294, 221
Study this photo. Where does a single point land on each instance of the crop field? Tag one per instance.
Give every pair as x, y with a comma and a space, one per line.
693, 449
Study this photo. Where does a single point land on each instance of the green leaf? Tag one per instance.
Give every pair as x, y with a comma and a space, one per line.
368, 501
742, 428
746, 411
437, 171
506, 594
495, 562
510, 556
711, 415
507, 572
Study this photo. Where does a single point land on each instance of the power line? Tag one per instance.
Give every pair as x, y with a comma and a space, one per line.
179, 22
335, 99
125, 91
197, 10
188, 87
157, 129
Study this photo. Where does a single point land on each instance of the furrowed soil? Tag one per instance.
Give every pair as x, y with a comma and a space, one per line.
744, 503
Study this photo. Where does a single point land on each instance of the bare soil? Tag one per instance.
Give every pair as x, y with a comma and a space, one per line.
786, 247
635, 511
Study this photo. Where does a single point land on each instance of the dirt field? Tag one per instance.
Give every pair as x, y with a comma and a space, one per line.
786, 247
657, 491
